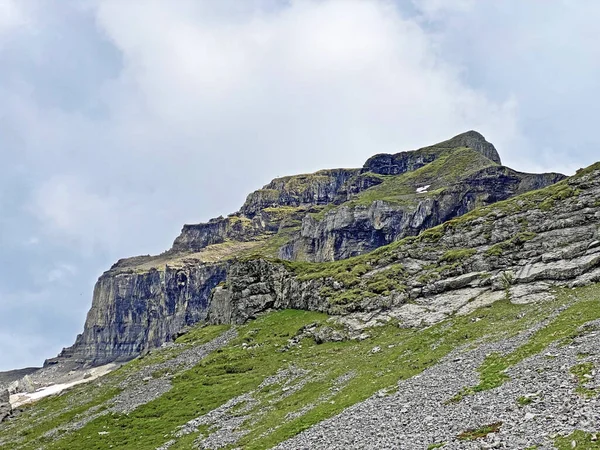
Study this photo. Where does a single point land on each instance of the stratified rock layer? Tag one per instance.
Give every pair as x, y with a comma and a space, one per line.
519, 248
135, 311
330, 215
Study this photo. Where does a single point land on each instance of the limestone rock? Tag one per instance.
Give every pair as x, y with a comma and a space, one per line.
5, 407
133, 311
144, 301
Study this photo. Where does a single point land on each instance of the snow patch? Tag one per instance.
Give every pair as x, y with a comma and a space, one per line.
423, 190
21, 398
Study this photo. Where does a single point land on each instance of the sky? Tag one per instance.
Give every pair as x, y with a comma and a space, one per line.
121, 120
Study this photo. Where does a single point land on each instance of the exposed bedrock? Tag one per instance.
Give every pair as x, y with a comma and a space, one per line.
144, 301
134, 311
516, 250
352, 230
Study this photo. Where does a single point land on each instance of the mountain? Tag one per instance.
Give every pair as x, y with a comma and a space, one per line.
330, 215
472, 325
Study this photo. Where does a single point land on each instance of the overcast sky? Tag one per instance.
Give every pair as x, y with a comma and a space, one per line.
121, 120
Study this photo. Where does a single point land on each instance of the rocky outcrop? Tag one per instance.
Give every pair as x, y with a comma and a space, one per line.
330, 215
320, 188
517, 249
351, 230
194, 238
386, 164
255, 286
134, 311
11, 376
5, 407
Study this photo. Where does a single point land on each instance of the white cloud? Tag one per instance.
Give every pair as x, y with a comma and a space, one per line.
11, 15
310, 85
68, 208
223, 98
61, 272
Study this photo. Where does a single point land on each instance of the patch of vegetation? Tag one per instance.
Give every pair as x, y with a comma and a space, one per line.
478, 433
322, 211
270, 246
493, 370
515, 241
457, 254
583, 373
386, 280
291, 215
581, 331
524, 401
583, 440
434, 446
432, 235
202, 334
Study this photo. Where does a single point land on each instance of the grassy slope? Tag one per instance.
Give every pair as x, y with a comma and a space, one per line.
450, 168
235, 370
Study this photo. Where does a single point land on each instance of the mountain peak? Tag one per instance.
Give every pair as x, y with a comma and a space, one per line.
474, 140
388, 164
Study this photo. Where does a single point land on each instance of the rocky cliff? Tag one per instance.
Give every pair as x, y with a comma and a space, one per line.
330, 215
480, 332
136, 310
518, 248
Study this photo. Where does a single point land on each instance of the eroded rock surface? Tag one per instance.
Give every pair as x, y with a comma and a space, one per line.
330, 215
519, 249
5, 406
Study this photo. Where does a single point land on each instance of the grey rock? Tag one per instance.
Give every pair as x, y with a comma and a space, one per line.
142, 302
132, 311
5, 406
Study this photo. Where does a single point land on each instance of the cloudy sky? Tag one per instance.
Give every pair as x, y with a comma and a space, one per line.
121, 120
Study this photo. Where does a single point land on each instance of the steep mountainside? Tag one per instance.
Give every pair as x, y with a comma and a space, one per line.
326, 216
481, 332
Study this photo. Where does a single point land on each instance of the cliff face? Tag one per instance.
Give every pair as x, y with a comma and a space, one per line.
517, 249
352, 230
327, 216
320, 188
135, 311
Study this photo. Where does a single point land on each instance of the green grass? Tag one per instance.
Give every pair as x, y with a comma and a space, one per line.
478, 433
582, 372
457, 254
235, 370
517, 240
583, 440
524, 401
564, 326
202, 334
